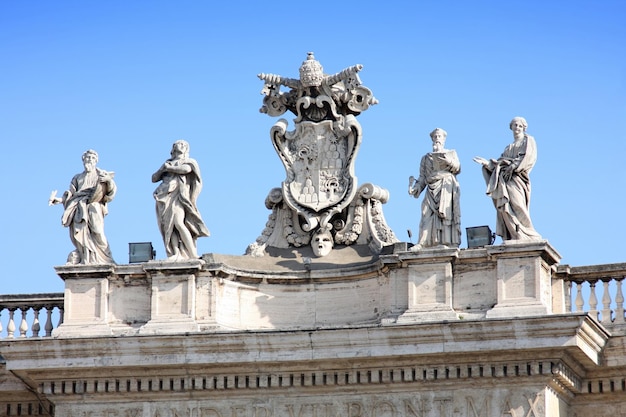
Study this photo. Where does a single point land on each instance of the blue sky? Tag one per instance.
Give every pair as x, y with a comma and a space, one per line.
129, 78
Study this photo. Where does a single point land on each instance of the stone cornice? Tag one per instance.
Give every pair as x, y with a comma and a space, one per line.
421, 343
591, 272
189, 266
85, 271
518, 248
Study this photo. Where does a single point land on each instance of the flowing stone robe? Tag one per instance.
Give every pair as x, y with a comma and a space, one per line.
85, 206
511, 196
175, 198
441, 212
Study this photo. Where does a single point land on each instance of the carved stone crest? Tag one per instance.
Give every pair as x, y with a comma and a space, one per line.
319, 161
320, 190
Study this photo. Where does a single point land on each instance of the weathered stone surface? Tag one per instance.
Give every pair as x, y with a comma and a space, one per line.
486, 367
291, 289
351, 334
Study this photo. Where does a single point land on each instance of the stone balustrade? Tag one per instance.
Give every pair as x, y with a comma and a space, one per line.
597, 290
33, 310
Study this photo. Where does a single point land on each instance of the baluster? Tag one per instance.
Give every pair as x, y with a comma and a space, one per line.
593, 301
36, 326
606, 302
11, 324
60, 315
619, 302
48, 326
579, 296
1, 322
568, 296
23, 323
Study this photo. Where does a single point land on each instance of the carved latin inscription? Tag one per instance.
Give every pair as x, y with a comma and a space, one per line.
460, 403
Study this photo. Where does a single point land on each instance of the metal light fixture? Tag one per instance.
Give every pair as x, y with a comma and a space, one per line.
140, 252
479, 236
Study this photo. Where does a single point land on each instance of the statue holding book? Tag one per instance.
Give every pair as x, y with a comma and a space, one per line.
440, 224
85, 206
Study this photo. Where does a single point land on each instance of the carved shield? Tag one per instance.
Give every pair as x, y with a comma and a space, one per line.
319, 161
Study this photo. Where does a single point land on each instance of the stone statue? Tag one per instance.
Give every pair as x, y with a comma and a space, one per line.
508, 184
440, 224
85, 208
177, 214
320, 193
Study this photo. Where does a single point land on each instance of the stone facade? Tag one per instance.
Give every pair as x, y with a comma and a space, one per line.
442, 332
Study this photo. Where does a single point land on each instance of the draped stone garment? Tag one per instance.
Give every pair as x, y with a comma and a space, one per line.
176, 198
441, 212
511, 196
85, 206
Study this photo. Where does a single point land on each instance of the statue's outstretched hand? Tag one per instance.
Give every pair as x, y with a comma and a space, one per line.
53, 199
480, 160
411, 184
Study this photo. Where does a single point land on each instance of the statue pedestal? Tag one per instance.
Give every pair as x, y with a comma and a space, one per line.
173, 300
523, 278
86, 302
429, 286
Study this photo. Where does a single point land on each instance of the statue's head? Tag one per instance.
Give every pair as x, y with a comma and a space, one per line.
90, 159
180, 147
311, 72
438, 137
519, 120
322, 242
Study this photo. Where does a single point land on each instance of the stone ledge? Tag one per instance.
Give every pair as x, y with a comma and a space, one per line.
577, 334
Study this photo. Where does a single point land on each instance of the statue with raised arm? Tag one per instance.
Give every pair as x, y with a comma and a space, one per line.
319, 200
178, 217
508, 184
85, 205
440, 224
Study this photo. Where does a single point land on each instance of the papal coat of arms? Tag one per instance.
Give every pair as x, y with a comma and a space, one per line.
319, 196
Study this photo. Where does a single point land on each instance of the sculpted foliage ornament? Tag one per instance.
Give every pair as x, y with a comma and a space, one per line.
319, 196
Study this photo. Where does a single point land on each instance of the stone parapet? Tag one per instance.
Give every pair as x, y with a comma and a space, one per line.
349, 287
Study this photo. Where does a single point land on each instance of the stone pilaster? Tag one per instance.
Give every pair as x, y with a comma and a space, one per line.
86, 300
173, 299
523, 278
429, 285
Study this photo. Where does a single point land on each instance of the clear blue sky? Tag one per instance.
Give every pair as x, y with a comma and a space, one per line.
128, 78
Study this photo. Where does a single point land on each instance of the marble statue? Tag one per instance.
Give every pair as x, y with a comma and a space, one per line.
320, 193
440, 224
508, 184
85, 204
178, 217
